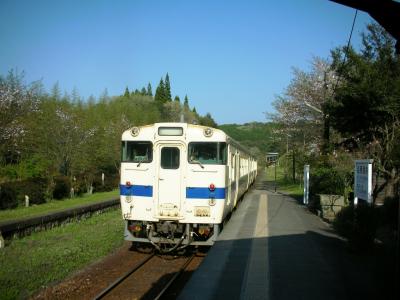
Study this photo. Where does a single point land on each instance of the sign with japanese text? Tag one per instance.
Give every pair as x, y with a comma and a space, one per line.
363, 180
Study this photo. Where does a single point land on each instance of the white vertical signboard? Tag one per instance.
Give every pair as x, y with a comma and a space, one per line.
306, 183
363, 180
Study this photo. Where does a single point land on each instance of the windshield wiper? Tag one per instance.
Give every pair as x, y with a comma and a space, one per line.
197, 162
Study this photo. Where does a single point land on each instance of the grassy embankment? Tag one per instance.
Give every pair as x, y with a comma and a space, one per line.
55, 205
29, 263
284, 185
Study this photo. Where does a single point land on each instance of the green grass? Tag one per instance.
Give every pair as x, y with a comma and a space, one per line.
55, 205
284, 185
29, 263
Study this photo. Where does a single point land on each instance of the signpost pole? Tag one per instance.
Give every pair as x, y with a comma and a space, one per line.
275, 175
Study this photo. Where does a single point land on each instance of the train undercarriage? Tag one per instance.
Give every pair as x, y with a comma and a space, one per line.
168, 236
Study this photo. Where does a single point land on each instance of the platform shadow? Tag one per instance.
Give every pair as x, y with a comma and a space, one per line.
300, 266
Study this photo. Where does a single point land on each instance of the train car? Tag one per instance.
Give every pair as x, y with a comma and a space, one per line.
179, 182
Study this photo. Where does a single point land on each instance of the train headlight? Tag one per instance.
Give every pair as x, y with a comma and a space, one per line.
135, 131
208, 132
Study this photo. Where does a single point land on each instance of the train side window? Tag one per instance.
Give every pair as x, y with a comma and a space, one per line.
170, 158
137, 152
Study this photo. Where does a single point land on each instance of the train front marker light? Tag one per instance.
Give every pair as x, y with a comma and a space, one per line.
212, 187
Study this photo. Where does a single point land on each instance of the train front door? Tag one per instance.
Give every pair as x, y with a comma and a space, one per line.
170, 179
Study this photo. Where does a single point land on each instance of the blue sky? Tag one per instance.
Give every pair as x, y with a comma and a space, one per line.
230, 57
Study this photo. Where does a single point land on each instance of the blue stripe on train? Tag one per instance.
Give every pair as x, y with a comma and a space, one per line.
136, 190
204, 193
191, 192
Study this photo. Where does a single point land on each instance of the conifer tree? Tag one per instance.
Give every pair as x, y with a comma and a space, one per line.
168, 96
159, 97
177, 99
75, 97
104, 97
186, 103
149, 90
126, 94
143, 91
194, 110
55, 91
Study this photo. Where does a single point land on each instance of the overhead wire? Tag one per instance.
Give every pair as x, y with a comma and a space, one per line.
345, 52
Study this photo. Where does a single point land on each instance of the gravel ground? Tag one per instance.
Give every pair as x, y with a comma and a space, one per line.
88, 283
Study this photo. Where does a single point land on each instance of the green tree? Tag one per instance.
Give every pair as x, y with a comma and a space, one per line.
75, 97
159, 96
172, 111
149, 90
126, 93
208, 120
186, 103
168, 96
55, 92
104, 97
177, 99
366, 110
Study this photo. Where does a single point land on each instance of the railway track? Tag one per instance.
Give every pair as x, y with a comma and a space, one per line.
151, 278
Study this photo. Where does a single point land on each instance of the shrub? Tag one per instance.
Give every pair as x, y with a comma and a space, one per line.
326, 180
8, 196
13, 193
62, 187
358, 224
110, 183
79, 186
35, 188
344, 221
390, 212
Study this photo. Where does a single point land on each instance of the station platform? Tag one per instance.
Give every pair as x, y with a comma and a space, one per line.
275, 248
236, 265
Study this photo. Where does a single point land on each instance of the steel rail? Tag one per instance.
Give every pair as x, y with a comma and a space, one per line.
122, 278
169, 283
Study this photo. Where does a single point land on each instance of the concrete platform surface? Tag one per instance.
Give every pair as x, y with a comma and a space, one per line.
274, 248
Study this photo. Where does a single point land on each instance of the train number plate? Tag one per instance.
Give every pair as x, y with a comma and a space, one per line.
202, 211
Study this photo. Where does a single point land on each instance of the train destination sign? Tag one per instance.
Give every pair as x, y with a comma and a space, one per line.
363, 180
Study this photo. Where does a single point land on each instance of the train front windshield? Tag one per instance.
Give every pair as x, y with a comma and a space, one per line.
207, 153
137, 152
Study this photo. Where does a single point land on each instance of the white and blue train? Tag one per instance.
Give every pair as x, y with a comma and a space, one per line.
179, 182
